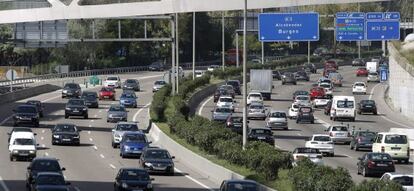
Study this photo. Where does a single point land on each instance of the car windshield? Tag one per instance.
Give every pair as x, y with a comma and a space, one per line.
117, 108
256, 96
130, 81
141, 175
368, 134
76, 102
157, 154
233, 83
345, 104
302, 98
23, 142
127, 96
396, 139
261, 131
37, 103
301, 93
368, 102
373, 73
50, 180
239, 186
89, 95
295, 106
256, 106
307, 150
106, 89
339, 128
112, 78
362, 69
359, 84
223, 110
71, 86
325, 85
322, 138
237, 119
160, 83
278, 115
65, 128
226, 100
26, 109
227, 87
380, 156
404, 180
135, 138
46, 165
127, 127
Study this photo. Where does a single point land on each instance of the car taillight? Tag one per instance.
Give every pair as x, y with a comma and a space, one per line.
371, 164
229, 124
382, 149
359, 140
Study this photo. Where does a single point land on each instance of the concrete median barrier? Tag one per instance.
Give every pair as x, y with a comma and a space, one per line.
28, 92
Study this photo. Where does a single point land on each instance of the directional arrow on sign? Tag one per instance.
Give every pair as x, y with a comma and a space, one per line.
288, 37
340, 37
262, 37
360, 37
314, 37
382, 36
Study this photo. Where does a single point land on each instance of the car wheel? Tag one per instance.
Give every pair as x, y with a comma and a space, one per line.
334, 119
364, 172
356, 148
66, 116
375, 113
332, 154
37, 124
53, 143
297, 121
351, 146
353, 119
358, 172
359, 112
406, 161
41, 114
398, 161
86, 116
11, 158
294, 83
113, 145
113, 99
122, 156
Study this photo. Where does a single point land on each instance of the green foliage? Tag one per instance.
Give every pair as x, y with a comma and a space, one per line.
188, 85
159, 103
377, 185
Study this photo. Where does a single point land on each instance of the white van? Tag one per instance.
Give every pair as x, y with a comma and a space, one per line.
395, 144
22, 145
343, 107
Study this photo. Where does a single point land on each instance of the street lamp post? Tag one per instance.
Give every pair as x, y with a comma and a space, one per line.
244, 76
194, 24
222, 41
177, 52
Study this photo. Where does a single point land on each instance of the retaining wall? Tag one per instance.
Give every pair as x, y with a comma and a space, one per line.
26, 93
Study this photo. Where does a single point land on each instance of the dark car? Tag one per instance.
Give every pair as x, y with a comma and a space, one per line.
236, 86
91, 99
26, 114
129, 179
235, 123
302, 75
220, 92
261, 134
305, 114
41, 164
375, 164
276, 75
46, 181
239, 185
310, 68
367, 106
131, 84
156, 66
229, 89
156, 160
65, 134
71, 90
288, 78
19, 129
300, 92
358, 62
327, 108
38, 104
362, 140
76, 107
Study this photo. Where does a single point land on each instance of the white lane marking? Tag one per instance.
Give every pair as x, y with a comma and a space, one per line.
112, 166
139, 111
76, 188
204, 104
89, 126
299, 134
5, 120
92, 121
322, 122
43, 131
347, 156
95, 147
194, 180
43, 145
41, 138
46, 154
3, 185
100, 111
52, 98
90, 139
102, 156
89, 132
277, 146
95, 116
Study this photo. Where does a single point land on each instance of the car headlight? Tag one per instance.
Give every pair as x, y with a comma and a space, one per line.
32, 152
124, 185
148, 164
84, 109
76, 137
149, 186
65, 91
56, 136
117, 136
126, 147
68, 108
15, 151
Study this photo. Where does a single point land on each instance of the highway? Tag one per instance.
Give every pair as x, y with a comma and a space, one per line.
92, 165
297, 133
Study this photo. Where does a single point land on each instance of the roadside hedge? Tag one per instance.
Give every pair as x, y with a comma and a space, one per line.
159, 103
377, 185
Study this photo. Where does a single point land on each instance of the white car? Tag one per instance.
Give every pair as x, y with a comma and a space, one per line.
321, 101
158, 85
339, 134
113, 81
302, 100
293, 111
199, 73
405, 180
256, 110
359, 88
321, 142
277, 119
373, 77
22, 145
312, 154
226, 101
212, 67
254, 97
328, 87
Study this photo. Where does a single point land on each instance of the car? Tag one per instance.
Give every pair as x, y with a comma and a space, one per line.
76, 107
331, 63
158, 85
116, 113
328, 87
66, 134
323, 143
375, 164
91, 99
229, 89
299, 92
305, 114
336, 78
367, 106
22, 145
129, 179
131, 84
113, 82
343, 107
327, 108
236, 85
324, 80
288, 78
213, 67
239, 185
373, 77
220, 92
309, 67
314, 155
132, 144
227, 102
328, 71
235, 123
199, 73
156, 66
293, 111
302, 100
156, 160
26, 114
50, 181
180, 72
405, 180
321, 101
39, 165
317, 92
302, 75
358, 62
276, 75
18, 129
254, 97
359, 88
256, 110
221, 114
38, 104
71, 90
107, 93
339, 134
261, 134
362, 72
119, 130
277, 119
362, 140
395, 144
128, 99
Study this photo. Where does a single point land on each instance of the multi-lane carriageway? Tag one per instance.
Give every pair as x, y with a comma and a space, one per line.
298, 133
92, 165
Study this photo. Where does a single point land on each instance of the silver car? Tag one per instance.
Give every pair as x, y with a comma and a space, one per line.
277, 119
221, 114
373, 77
158, 85
339, 133
256, 110
117, 113
119, 130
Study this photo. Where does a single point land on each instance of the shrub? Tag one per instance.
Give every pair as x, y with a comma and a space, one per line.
377, 185
159, 103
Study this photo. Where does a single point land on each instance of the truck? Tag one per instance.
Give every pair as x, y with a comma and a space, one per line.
261, 81
372, 66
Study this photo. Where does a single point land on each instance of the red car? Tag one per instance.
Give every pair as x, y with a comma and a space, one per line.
107, 93
317, 92
362, 72
331, 64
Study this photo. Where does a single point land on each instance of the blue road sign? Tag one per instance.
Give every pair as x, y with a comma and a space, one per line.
375, 16
350, 26
384, 75
275, 27
383, 30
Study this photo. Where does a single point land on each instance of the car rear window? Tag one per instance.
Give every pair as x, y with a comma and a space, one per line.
261, 131
112, 78
278, 115
373, 73
71, 86
130, 81
404, 180
26, 109
345, 104
396, 139
339, 128
242, 187
135, 175
126, 127
303, 98
226, 100
254, 96
307, 150
256, 106
380, 156
322, 138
